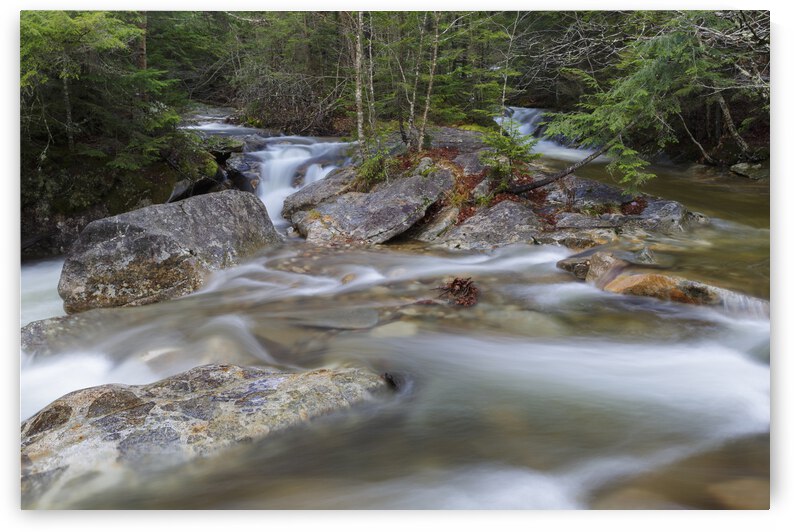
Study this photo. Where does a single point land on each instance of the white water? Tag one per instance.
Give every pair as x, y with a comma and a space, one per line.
39, 287
281, 162
528, 121
537, 397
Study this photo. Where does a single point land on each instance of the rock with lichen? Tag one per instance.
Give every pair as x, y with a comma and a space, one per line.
162, 251
106, 436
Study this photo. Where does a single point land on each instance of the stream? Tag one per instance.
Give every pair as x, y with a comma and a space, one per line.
548, 393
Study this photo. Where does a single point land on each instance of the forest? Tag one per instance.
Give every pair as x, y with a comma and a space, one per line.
102, 92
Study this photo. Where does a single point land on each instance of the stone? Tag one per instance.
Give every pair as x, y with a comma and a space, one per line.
93, 439
162, 251
395, 329
436, 226
631, 498
604, 267
333, 184
243, 171
470, 162
577, 239
757, 172
222, 147
672, 288
505, 223
742, 494
390, 209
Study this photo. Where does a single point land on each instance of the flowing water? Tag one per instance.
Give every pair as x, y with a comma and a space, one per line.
546, 394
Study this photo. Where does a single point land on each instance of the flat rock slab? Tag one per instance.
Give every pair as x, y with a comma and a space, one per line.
332, 185
372, 218
162, 251
505, 223
92, 439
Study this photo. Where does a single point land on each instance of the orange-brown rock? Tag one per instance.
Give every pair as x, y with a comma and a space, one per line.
665, 287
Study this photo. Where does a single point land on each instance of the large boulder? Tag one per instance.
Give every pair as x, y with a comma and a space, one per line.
388, 210
97, 438
162, 251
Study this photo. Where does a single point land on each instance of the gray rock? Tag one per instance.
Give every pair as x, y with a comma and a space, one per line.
163, 251
97, 438
585, 193
436, 227
575, 220
311, 195
665, 216
243, 171
505, 223
577, 239
753, 171
388, 210
470, 162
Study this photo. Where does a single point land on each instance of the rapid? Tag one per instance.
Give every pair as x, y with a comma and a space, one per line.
548, 393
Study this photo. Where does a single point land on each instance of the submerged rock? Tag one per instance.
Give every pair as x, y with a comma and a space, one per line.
96, 438
753, 171
162, 251
388, 210
612, 273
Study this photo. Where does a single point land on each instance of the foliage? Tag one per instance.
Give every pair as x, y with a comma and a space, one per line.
510, 151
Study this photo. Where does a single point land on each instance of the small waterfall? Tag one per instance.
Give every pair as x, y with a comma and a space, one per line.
529, 120
288, 163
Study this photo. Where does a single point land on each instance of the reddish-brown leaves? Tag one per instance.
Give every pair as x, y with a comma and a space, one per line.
635, 206
460, 291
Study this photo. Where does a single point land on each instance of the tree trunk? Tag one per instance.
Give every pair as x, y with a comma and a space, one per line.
371, 80
433, 61
143, 25
706, 156
67, 102
559, 175
412, 99
359, 103
726, 116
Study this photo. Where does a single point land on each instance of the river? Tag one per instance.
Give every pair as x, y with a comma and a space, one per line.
546, 394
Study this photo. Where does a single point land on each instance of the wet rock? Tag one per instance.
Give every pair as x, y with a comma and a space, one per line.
634, 499
604, 267
311, 195
575, 220
577, 239
753, 171
163, 251
672, 288
599, 205
93, 439
665, 216
585, 193
396, 329
742, 494
388, 210
243, 172
222, 147
505, 223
